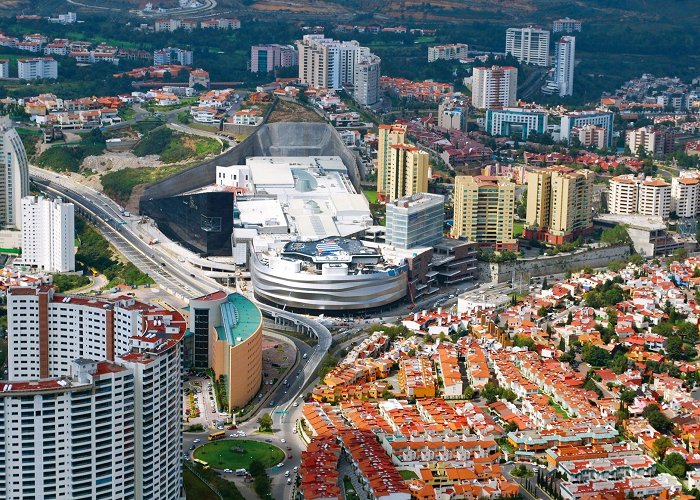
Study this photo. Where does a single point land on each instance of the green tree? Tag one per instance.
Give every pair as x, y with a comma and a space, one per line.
676, 464
660, 446
265, 422
256, 468
262, 486
674, 348
524, 341
627, 396
657, 419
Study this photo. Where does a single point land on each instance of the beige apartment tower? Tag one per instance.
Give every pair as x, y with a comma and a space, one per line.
388, 136
558, 204
495, 87
407, 173
484, 207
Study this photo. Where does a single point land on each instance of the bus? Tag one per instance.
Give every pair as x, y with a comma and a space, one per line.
205, 465
217, 435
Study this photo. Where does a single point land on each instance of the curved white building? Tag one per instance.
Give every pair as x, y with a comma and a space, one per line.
94, 406
335, 274
14, 176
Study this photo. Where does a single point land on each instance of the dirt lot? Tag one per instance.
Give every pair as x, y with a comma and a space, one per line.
291, 112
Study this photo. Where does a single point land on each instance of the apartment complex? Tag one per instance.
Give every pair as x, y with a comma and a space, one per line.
579, 119
4, 68
558, 204
172, 55
407, 172
495, 87
510, 121
566, 25
100, 382
650, 140
590, 136
14, 176
685, 194
564, 65
389, 135
265, 58
452, 114
484, 207
37, 67
48, 234
366, 80
528, 45
448, 52
648, 196
415, 221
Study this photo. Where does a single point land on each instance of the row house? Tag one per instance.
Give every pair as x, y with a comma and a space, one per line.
611, 469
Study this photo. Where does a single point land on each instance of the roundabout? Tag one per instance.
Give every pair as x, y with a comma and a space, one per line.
238, 454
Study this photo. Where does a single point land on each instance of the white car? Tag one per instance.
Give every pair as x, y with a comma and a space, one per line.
228, 471
281, 464
295, 404
296, 468
197, 441
283, 440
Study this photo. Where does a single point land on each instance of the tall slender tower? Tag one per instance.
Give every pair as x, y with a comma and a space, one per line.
14, 176
388, 136
564, 65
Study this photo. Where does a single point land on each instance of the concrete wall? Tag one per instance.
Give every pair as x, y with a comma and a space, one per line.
541, 266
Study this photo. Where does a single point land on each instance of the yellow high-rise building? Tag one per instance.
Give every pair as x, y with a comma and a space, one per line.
484, 207
558, 204
407, 173
388, 136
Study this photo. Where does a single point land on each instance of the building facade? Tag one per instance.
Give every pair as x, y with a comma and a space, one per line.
14, 176
407, 173
415, 221
570, 121
366, 80
389, 135
558, 204
566, 25
48, 234
685, 194
510, 121
483, 211
655, 198
328, 64
101, 380
495, 87
564, 64
448, 52
4, 68
172, 55
265, 58
38, 67
624, 194
650, 140
590, 136
528, 45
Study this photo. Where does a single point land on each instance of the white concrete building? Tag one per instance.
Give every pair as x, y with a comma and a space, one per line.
528, 45
448, 52
366, 80
172, 55
14, 176
590, 135
652, 141
566, 25
93, 405
38, 67
494, 87
564, 65
655, 198
48, 234
604, 119
685, 194
4, 68
325, 63
624, 193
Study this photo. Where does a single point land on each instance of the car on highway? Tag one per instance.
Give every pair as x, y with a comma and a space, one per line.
286, 473
192, 447
281, 464
197, 440
289, 480
295, 404
283, 440
289, 448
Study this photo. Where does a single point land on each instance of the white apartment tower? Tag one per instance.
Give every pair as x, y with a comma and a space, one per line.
564, 65
685, 194
327, 63
624, 190
14, 176
48, 234
566, 25
448, 52
655, 198
366, 80
495, 87
38, 67
528, 45
92, 409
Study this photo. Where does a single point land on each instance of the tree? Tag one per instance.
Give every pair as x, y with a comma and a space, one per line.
569, 318
542, 312
262, 486
524, 341
627, 396
615, 236
562, 343
657, 419
468, 392
265, 422
256, 468
676, 464
661, 445
674, 347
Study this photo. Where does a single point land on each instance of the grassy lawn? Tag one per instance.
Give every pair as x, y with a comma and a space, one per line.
517, 229
408, 474
558, 409
195, 488
221, 454
370, 195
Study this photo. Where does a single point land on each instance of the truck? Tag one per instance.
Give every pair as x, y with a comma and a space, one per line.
241, 472
153, 241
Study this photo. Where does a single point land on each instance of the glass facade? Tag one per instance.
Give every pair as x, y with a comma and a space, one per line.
201, 338
202, 222
415, 221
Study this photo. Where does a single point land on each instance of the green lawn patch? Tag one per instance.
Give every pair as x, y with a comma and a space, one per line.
66, 282
370, 195
226, 489
121, 183
408, 474
174, 147
238, 453
518, 229
195, 487
558, 409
